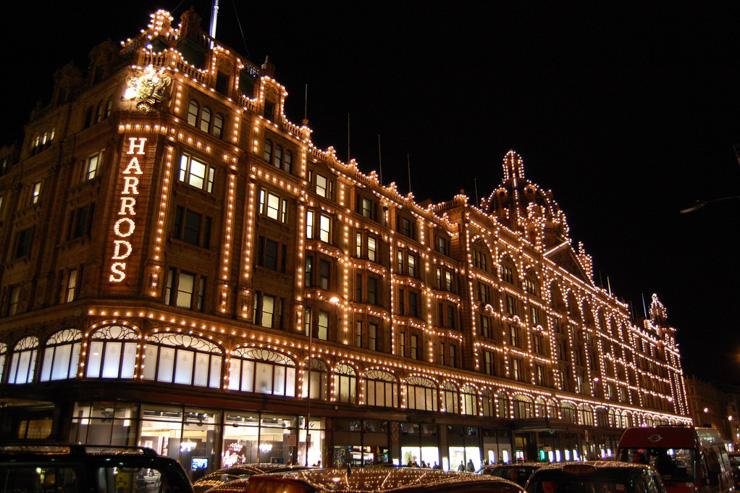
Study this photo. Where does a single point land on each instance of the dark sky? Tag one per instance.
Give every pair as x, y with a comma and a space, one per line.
628, 115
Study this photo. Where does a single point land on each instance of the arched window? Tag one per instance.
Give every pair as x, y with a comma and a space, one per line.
540, 406
183, 359
508, 271
421, 393
602, 418
112, 353
532, 284
552, 409
381, 389
205, 119
451, 398
108, 107
502, 405
469, 400
487, 402
61, 355
3, 353
218, 125
345, 384
523, 407
319, 381
193, 112
568, 412
262, 371
100, 112
556, 297
481, 256
23, 360
585, 415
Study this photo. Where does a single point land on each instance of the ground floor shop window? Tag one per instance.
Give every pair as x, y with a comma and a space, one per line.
416, 456
104, 423
361, 442
253, 437
189, 435
311, 442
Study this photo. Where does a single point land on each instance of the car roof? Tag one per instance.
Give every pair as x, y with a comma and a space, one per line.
589, 468
18, 453
517, 464
659, 437
380, 479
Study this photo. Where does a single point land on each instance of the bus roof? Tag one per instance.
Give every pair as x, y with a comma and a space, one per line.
659, 437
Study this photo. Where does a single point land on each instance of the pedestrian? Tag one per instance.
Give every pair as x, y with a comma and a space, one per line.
471, 466
461, 467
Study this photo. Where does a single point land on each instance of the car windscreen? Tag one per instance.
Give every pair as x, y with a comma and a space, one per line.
519, 475
673, 465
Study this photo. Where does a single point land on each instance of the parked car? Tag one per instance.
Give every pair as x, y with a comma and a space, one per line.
519, 472
78, 468
376, 479
595, 477
688, 459
734, 458
234, 473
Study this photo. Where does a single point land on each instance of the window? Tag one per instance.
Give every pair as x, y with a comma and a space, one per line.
196, 173
411, 264
180, 290
182, 359
112, 353
23, 361
406, 226
268, 311
380, 389
445, 279
534, 315
366, 246
345, 384
484, 293
443, 245
69, 293
14, 296
485, 326
324, 186
277, 156
309, 224
414, 346
35, 193
308, 272
469, 400
318, 383
451, 398
421, 394
358, 333
373, 290
269, 110
267, 254
23, 243
193, 112
413, 304
531, 287
273, 206
323, 326
488, 363
267, 151
367, 207
523, 407
80, 222
517, 372
92, 164
514, 335
539, 375
507, 273
407, 263
325, 228
324, 274
262, 371
217, 130
192, 227
372, 336
538, 344
510, 305
205, 119
453, 356
480, 260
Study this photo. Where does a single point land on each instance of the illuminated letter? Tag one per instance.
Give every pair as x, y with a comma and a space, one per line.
133, 167
127, 206
117, 253
117, 272
131, 226
133, 147
129, 184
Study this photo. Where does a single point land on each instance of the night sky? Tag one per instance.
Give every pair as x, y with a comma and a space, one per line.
628, 115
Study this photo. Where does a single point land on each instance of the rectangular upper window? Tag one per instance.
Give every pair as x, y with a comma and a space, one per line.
35, 193
80, 222
196, 173
23, 242
273, 206
92, 166
70, 287
406, 226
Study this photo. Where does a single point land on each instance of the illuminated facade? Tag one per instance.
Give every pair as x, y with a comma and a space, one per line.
178, 255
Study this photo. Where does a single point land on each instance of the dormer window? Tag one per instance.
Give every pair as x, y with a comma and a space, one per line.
406, 226
269, 111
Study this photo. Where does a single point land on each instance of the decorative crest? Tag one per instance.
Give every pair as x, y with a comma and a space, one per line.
148, 87
658, 311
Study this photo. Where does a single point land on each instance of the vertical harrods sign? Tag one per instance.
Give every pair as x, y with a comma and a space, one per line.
129, 216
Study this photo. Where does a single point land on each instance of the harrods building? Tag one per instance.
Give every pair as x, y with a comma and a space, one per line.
183, 269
